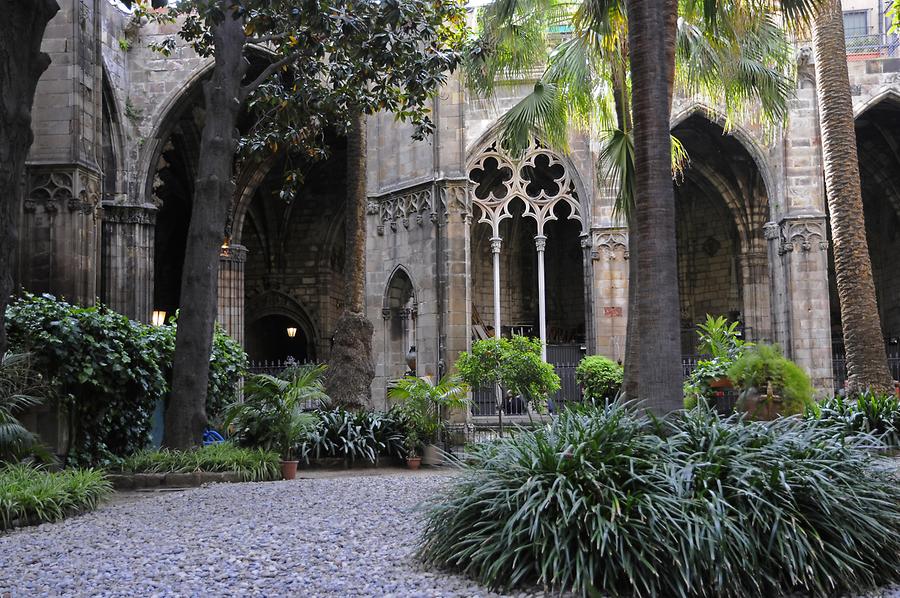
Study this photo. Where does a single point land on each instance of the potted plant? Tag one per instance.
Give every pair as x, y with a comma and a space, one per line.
421, 403
413, 460
271, 415
770, 384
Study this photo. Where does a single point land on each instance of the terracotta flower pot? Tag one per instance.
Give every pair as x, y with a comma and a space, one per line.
413, 462
288, 470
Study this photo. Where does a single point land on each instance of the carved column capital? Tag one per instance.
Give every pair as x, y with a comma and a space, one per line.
540, 242
495, 244
233, 253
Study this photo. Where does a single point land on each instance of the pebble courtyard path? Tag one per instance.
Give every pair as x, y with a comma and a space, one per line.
335, 536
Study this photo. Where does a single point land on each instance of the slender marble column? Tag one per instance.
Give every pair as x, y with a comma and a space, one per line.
495, 249
540, 243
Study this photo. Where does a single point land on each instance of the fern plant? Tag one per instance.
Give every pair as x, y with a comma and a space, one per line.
20, 389
421, 403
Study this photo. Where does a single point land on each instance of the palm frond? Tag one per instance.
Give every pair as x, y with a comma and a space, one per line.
541, 114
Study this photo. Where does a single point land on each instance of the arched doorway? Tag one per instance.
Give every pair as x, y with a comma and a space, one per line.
878, 151
278, 338
721, 207
295, 247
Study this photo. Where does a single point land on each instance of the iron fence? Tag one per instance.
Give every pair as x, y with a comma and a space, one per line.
839, 368
872, 46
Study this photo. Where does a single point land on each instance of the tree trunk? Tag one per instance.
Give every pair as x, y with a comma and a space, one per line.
659, 348
863, 341
213, 190
21, 65
351, 366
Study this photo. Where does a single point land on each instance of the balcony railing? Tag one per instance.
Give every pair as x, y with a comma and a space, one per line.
876, 45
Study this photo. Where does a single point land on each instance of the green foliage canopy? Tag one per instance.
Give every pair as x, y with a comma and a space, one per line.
515, 364
600, 377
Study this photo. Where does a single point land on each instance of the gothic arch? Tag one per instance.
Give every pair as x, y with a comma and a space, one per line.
398, 273
886, 93
490, 138
736, 130
277, 303
399, 314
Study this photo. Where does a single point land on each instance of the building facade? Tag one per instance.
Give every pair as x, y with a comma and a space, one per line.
460, 238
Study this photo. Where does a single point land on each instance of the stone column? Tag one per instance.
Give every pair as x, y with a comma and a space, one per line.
126, 259
60, 232
540, 244
757, 310
231, 290
609, 257
455, 218
803, 250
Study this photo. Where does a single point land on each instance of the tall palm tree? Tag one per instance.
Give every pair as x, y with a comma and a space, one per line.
863, 341
733, 54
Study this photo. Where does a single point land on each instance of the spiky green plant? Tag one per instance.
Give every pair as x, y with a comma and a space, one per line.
608, 502
20, 389
30, 495
251, 465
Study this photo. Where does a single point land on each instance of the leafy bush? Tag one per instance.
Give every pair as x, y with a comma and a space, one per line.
764, 364
109, 372
21, 388
600, 377
515, 364
608, 502
29, 495
271, 415
255, 465
722, 343
869, 413
355, 436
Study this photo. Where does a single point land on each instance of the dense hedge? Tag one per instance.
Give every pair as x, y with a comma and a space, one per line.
600, 377
109, 372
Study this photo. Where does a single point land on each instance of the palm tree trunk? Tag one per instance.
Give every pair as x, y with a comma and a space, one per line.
351, 365
659, 360
185, 418
21, 65
866, 359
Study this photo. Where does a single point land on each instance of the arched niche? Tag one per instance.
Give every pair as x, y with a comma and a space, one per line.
400, 310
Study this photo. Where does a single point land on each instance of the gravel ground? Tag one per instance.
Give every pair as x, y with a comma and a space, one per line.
329, 536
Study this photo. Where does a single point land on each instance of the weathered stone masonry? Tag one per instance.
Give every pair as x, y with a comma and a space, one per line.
110, 176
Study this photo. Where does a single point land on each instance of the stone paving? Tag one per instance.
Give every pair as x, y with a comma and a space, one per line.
343, 535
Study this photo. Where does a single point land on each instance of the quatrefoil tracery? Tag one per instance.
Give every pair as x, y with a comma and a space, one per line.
539, 180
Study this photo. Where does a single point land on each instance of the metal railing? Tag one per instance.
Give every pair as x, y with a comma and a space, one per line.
839, 367
872, 46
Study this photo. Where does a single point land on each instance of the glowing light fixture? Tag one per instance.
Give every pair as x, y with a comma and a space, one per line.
159, 317
292, 332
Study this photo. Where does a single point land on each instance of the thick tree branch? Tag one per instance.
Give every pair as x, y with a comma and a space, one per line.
246, 90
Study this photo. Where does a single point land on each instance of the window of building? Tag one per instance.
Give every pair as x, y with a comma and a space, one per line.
856, 23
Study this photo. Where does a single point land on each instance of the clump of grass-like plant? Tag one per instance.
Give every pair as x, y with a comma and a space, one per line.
31, 495
254, 465
608, 501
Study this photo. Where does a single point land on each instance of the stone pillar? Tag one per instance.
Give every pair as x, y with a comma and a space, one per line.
757, 310
609, 257
455, 218
231, 290
126, 259
802, 247
60, 232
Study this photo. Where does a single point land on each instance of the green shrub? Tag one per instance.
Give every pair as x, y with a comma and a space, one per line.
355, 436
608, 502
515, 364
29, 495
600, 377
763, 364
255, 465
869, 413
109, 372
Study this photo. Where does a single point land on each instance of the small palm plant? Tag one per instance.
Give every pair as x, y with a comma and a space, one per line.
20, 389
271, 415
421, 402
